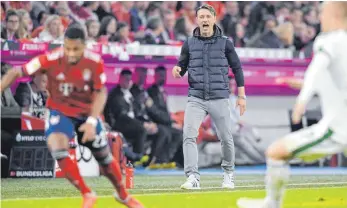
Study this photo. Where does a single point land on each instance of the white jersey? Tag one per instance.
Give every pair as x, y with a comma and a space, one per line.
327, 77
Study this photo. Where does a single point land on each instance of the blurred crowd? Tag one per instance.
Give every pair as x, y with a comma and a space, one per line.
248, 24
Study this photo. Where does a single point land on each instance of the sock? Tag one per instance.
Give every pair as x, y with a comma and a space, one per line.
277, 176
113, 173
73, 175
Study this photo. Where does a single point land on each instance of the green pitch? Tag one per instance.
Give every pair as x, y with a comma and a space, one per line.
164, 192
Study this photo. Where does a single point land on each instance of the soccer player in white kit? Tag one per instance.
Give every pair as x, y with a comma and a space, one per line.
327, 77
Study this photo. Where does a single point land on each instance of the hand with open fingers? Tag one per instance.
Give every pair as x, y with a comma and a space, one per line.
298, 112
89, 132
291, 82
176, 72
241, 103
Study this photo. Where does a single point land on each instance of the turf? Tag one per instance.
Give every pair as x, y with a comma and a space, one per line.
163, 192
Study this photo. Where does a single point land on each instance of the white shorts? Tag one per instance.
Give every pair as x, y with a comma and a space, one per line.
311, 143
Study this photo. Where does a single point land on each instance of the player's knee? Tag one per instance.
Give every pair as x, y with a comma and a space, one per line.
60, 154
103, 157
277, 151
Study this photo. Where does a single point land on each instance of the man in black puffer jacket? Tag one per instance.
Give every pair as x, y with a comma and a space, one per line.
207, 57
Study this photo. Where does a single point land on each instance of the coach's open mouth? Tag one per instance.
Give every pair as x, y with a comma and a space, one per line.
205, 25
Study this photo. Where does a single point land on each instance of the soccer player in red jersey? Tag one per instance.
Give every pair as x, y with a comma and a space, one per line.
77, 97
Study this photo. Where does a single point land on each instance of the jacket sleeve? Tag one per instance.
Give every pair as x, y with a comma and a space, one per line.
184, 58
234, 62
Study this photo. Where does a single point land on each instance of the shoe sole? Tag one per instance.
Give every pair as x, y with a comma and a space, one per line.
193, 188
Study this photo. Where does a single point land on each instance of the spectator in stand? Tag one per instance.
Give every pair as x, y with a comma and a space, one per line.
311, 18
188, 11
10, 31
53, 30
296, 16
153, 33
123, 33
280, 37
138, 18
238, 34
91, 7
108, 28
25, 24
182, 31
270, 22
2, 12
63, 10
104, 10
153, 10
32, 96
230, 18
169, 33
122, 10
258, 11
168, 5
162, 115
42, 17
79, 11
282, 13
93, 27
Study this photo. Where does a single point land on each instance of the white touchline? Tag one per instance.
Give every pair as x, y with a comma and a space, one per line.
195, 191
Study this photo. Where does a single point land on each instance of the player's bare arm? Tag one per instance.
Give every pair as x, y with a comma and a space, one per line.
100, 97
291, 82
10, 77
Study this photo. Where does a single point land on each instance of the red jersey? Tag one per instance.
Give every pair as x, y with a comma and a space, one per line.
70, 87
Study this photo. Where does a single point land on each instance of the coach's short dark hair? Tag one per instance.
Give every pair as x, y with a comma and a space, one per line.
126, 71
75, 32
208, 7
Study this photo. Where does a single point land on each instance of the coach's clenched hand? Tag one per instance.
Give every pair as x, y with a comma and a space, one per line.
176, 72
89, 132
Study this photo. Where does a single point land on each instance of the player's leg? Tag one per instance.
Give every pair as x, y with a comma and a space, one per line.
195, 112
220, 111
308, 144
59, 129
110, 167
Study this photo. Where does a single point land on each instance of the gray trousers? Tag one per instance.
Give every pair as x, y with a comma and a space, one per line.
220, 112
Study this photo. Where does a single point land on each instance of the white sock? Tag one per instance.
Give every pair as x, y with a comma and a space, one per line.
277, 176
